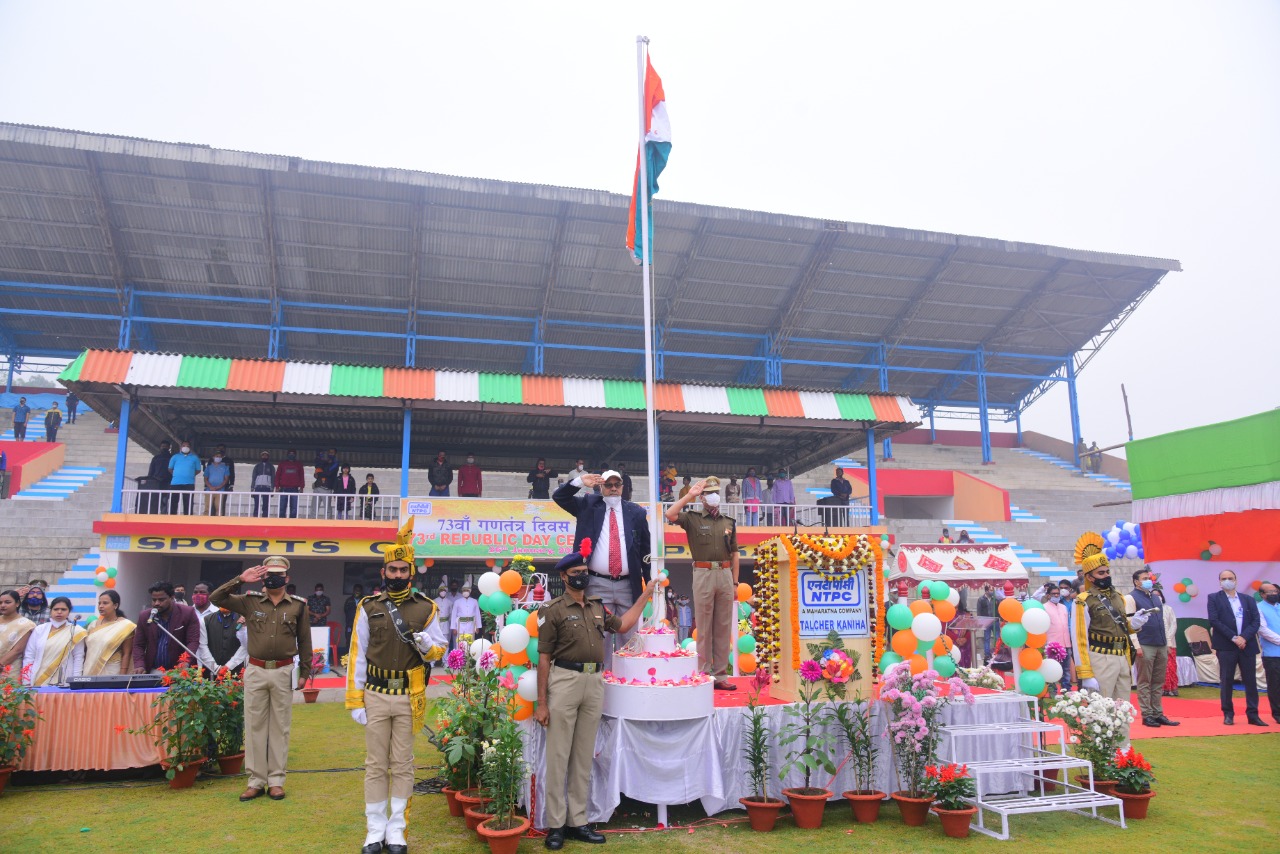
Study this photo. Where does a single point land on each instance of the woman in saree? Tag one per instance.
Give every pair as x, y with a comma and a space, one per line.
55, 652
108, 650
15, 630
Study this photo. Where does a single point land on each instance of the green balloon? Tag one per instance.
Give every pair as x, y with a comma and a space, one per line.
900, 616
1184, 597
685, 644
1014, 634
516, 671
517, 617
924, 646
744, 610
111, 572
1032, 604
532, 650
888, 660
1031, 682
945, 665
648, 610
939, 591
746, 643
89, 621
887, 571
98, 582
1187, 582
499, 603
483, 602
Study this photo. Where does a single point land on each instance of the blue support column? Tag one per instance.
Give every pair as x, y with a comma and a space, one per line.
984, 414
404, 453
882, 357
1075, 409
933, 429
122, 451
659, 354
873, 492
126, 319
1018, 420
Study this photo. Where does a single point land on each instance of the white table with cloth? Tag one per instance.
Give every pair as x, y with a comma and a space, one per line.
677, 762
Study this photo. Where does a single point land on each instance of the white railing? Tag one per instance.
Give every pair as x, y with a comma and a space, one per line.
386, 508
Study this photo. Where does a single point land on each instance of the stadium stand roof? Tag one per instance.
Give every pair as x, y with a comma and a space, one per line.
207, 251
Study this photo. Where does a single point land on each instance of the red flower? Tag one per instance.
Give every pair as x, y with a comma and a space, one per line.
166, 680
184, 658
119, 728
585, 548
29, 733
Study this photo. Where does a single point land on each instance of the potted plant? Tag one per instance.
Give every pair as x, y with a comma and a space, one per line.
309, 691
228, 736
18, 718
503, 774
811, 743
185, 716
949, 785
853, 719
915, 705
466, 719
1097, 726
1133, 782
762, 810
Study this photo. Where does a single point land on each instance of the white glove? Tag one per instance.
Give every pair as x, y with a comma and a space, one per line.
1137, 621
359, 717
1089, 684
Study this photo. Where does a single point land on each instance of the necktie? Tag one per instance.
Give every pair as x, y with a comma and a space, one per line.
615, 546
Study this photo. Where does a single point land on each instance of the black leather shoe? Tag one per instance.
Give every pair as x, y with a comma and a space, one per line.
555, 839
1229, 720
586, 833
395, 849
1257, 721
1164, 721
372, 848
1151, 722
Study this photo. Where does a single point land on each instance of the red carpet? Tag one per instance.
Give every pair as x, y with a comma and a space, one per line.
1200, 718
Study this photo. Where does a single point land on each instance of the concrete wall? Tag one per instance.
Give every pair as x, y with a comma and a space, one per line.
978, 500
1111, 465
31, 461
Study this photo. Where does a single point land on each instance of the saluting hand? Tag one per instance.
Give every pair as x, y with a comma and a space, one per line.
696, 489
591, 481
253, 574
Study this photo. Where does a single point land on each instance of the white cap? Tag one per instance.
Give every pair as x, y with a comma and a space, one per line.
611, 473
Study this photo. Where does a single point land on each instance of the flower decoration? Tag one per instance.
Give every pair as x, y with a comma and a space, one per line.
949, 785
456, 660
916, 705
1057, 652
836, 666
1097, 725
811, 671
487, 661
1132, 772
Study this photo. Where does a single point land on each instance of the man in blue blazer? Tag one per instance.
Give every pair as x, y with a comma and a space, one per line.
1234, 638
618, 563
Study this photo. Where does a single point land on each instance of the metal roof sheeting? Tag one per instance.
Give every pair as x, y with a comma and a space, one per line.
702, 398
306, 378
154, 369
587, 393
461, 386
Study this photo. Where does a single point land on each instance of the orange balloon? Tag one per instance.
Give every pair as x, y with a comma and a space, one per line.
523, 710
746, 662
904, 643
509, 582
496, 649
942, 645
1037, 641
1010, 610
429, 562
509, 658
1030, 659
921, 606
100, 569
918, 664
945, 611
744, 592
1179, 588
664, 582
109, 583
531, 624
694, 635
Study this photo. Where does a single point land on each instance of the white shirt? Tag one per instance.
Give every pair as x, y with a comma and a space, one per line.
464, 617
239, 657
599, 560
1238, 610
208, 609
445, 604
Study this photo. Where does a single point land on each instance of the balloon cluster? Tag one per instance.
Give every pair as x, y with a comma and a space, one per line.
747, 661
496, 591
884, 549
1124, 540
1026, 631
105, 577
1210, 551
1186, 590
517, 655
918, 631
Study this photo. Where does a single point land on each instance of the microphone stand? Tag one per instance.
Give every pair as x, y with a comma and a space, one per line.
71, 637
195, 659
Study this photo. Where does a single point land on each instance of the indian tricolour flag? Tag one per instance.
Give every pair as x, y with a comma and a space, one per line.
655, 150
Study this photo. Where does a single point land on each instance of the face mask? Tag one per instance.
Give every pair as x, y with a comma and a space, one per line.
1055, 598
185, 449
217, 459
319, 591
395, 585
291, 456
1229, 584
1104, 583
273, 581
466, 594
1148, 584
579, 581
711, 499
200, 600
470, 460
35, 602
1273, 598
612, 501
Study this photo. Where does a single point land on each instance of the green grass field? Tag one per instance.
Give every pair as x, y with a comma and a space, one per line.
1212, 797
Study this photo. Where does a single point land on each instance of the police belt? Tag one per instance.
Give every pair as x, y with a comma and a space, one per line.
713, 564
1108, 644
383, 681
579, 666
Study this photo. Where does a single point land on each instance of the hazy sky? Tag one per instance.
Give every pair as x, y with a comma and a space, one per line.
1138, 128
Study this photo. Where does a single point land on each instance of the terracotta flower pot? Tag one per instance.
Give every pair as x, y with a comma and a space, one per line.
5, 772
470, 798
1134, 805
185, 777
1102, 787
762, 813
955, 822
475, 815
866, 805
309, 694
1051, 774
229, 766
455, 808
807, 806
914, 810
502, 841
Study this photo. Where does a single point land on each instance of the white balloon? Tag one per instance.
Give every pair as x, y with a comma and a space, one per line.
1051, 670
954, 598
478, 646
692, 648
926, 627
1113, 536
488, 583
1129, 528
513, 638
956, 653
527, 686
1035, 620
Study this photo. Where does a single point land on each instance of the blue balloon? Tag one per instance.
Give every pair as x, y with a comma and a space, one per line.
1119, 523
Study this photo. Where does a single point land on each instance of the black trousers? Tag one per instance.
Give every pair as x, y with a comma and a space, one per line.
1228, 660
1271, 667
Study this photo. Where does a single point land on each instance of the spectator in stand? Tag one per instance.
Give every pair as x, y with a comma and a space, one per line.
73, 404
841, 488
152, 648
328, 468
1269, 636
732, 492
626, 481
578, 470
684, 489
21, 415
200, 599
158, 478
319, 607
349, 611
291, 478
667, 483
1235, 621
1059, 625
221, 451
440, 475
1081, 450
540, 480
964, 537
217, 482
470, 480
987, 608
263, 481
946, 537
35, 606
344, 488
183, 468
369, 493
751, 495
784, 493
766, 497
52, 421
1095, 458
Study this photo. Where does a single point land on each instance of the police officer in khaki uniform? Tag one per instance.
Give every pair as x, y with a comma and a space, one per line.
713, 542
396, 633
571, 641
278, 628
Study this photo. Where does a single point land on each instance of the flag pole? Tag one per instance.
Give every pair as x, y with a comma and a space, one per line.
656, 521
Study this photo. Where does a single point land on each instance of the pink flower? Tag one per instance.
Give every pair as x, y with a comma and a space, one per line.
488, 660
507, 681
810, 671
456, 660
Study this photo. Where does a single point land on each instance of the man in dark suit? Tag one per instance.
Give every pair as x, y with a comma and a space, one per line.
618, 565
153, 648
1234, 637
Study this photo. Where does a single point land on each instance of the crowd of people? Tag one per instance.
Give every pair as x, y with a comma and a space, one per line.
23, 415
